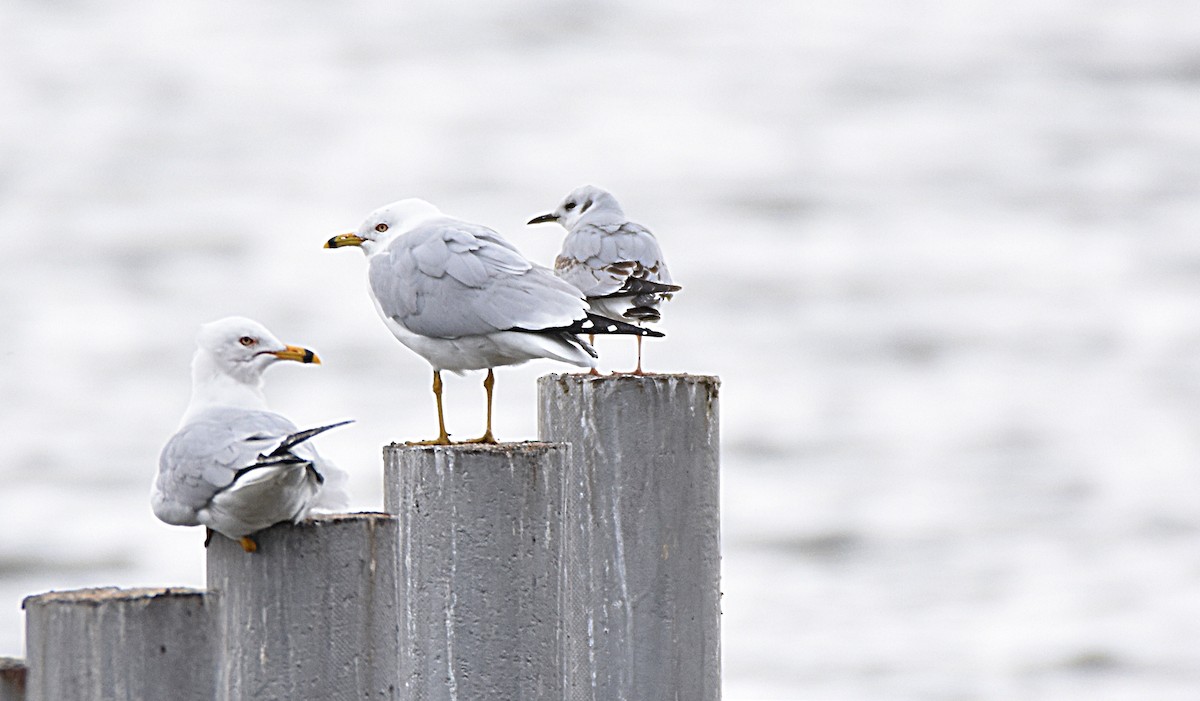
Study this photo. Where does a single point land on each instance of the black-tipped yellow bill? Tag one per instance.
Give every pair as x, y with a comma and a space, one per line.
344, 240
301, 355
543, 219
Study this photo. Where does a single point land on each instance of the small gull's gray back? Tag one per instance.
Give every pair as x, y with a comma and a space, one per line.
616, 263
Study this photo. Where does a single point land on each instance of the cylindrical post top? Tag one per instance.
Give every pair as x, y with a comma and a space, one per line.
669, 379
111, 643
322, 520
104, 595
311, 614
481, 540
509, 449
642, 543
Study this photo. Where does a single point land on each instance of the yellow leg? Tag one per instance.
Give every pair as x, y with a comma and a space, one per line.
443, 437
248, 544
488, 383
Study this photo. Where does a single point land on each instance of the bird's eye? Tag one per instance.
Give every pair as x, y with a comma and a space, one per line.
247, 341
381, 228
569, 206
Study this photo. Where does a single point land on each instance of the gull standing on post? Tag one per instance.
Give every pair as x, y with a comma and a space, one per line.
234, 465
615, 262
463, 298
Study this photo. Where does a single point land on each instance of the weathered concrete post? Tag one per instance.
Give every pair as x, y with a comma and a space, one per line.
643, 557
311, 615
119, 644
480, 541
12, 679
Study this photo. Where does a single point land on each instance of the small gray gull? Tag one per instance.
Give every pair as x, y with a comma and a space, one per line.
462, 297
234, 466
615, 262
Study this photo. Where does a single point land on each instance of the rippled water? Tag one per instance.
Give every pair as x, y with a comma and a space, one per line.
944, 257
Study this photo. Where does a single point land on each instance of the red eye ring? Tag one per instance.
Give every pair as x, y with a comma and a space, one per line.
247, 341
381, 227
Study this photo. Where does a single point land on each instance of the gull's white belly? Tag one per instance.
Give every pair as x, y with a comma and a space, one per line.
261, 498
611, 307
486, 351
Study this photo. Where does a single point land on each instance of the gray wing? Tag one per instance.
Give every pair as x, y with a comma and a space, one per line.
600, 260
204, 456
448, 279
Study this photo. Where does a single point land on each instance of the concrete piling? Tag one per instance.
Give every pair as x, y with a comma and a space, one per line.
480, 585
584, 568
312, 614
119, 645
642, 613
12, 679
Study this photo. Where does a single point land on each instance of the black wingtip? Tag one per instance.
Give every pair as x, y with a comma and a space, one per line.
597, 324
587, 347
643, 314
300, 436
640, 286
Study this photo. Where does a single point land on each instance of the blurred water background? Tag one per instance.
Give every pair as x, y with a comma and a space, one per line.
944, 257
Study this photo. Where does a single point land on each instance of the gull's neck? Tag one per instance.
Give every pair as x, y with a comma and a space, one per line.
212, 386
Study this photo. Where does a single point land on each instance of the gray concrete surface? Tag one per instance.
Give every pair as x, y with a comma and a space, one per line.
480, 592
642, 610
312, 614
12, 679
119, 645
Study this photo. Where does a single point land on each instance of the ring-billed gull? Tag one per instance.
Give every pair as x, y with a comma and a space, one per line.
615, 262
234, 466
463, 298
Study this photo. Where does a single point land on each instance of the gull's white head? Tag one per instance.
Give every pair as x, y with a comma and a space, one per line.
230, 358
587, 203
242, 348
385, 223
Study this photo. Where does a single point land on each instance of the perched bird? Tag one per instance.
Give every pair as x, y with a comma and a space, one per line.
463, 298
234, 466
615, 262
